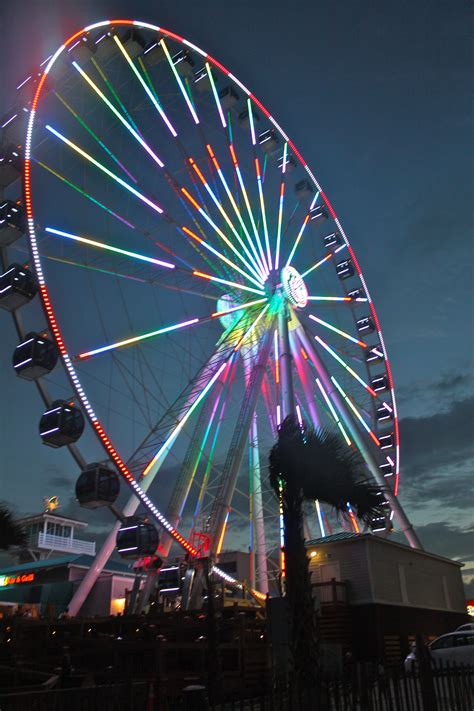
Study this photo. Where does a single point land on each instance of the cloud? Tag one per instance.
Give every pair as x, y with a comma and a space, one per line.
448, 540
438, 456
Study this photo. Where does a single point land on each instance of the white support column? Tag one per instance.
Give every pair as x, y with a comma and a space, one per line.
221, 506
358, 438
130, 508
260, 549
286, 379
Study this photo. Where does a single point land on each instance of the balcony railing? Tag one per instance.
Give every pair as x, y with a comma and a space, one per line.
330, 593
69, 545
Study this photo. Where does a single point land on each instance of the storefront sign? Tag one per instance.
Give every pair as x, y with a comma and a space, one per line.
15, 579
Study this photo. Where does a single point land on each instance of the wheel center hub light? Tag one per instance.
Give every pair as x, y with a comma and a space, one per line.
294, 287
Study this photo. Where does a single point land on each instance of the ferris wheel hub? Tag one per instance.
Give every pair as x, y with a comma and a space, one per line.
294, 288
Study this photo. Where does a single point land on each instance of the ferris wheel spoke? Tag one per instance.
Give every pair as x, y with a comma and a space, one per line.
105, 170
248, 206
216, 95
280, 206
236, 209
118, 115
333, 299
225, 239
84, 193
95, 136
110, 87
152, 260
300, 235
254, 266
263, 211
339, 331
179, 82
341, 362
149, 93
333, 412
356, 412
166, 329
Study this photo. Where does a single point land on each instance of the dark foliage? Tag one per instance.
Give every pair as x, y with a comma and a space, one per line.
11, 533
319, 465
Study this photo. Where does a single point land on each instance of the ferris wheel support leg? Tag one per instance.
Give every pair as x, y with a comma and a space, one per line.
221, 506
287, 392
303, 376
400, 516
87, 583
193, 455
258, 528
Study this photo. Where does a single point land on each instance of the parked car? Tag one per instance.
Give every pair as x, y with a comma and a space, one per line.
465, 628
455, 647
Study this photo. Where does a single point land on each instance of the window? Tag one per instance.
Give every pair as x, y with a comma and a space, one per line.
444, 643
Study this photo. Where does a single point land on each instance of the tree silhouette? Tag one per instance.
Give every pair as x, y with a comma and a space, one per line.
305, 465
11, 533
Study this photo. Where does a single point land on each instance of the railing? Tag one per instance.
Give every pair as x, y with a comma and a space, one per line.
70, 545
330, 593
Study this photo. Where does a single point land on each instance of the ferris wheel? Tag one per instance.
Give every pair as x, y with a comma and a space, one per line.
198, 287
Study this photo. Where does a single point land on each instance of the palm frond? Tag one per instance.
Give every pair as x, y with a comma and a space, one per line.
11, 533
320, 465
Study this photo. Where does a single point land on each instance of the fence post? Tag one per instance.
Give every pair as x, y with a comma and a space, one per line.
428, 693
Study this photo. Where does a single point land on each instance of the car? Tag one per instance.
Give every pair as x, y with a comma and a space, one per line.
455, 647
465, 628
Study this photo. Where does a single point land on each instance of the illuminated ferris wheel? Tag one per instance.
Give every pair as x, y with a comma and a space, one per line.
198, 287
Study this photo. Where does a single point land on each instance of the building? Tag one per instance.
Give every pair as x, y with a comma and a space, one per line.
49, 569
376, 595
50, 533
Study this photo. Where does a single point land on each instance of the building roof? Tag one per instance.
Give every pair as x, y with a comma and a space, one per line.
378, 540
50, 515
79, 561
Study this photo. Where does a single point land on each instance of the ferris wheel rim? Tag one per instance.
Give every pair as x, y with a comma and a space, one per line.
48, 306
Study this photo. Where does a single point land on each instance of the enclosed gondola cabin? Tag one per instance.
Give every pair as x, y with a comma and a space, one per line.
61, 424
97, 486
10, 165
12, 221
35, 356
18, 285
136, 539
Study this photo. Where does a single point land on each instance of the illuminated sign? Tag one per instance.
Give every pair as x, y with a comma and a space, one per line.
470, 608
15, 579
294, 287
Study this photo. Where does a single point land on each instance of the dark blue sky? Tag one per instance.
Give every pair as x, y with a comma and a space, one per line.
377, 96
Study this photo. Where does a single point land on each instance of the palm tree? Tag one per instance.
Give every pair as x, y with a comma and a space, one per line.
11, 533
305, 465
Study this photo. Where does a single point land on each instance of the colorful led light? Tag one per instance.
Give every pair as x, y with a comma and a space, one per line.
337, 330
85, 194
280, 217
254, 266
300, 234
236, 210
180, 83
252, 126
216, 95
320, 519
344, 365
329, 298
264, 214
276, 355
317, 265
110, 248
225, 239
333, 412
116, 113
233, 284
355, 411
94, 136
247, 205
145, 87
136, 339
105, 170
186, 417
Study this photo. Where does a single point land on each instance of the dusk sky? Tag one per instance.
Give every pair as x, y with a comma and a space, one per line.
377, 97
